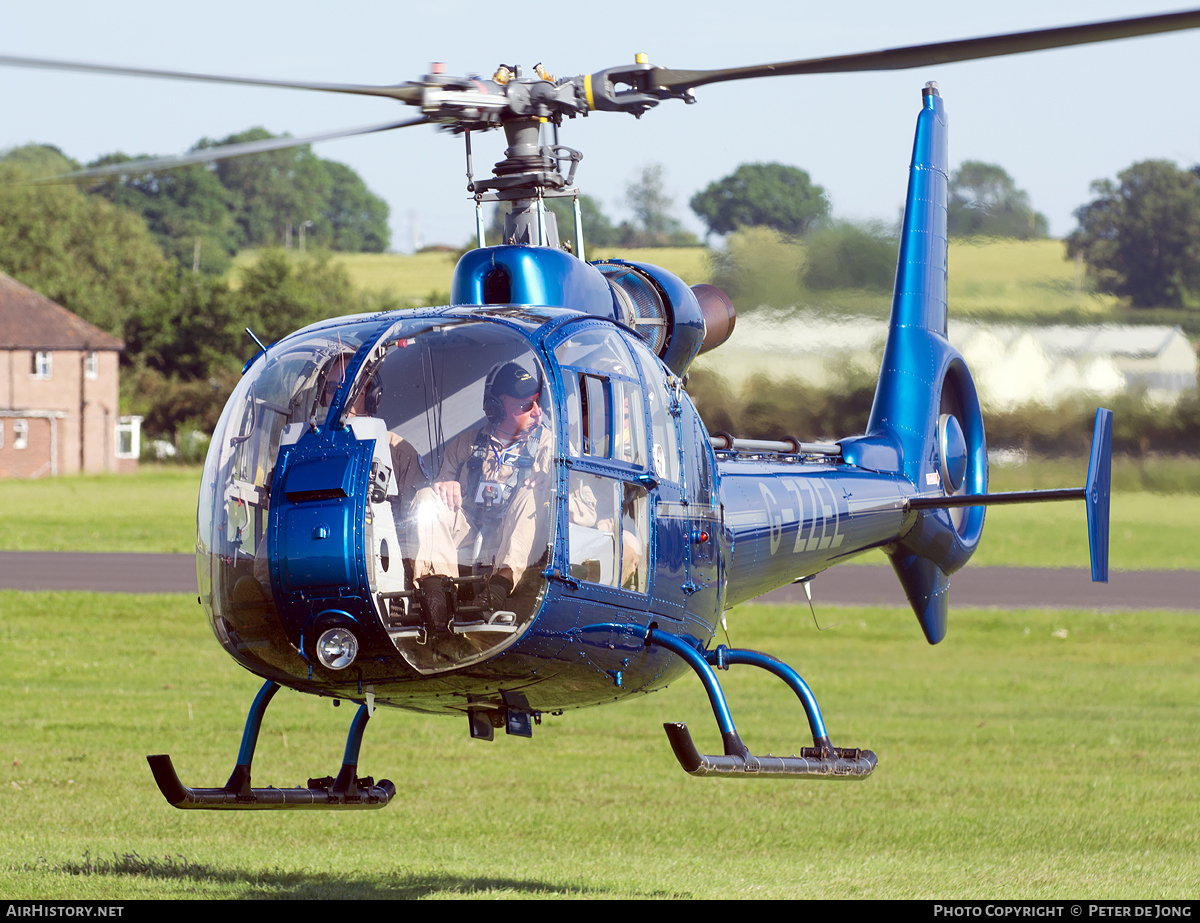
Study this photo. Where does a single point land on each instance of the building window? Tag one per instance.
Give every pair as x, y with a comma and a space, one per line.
129, 437
21, 434
42, 365
91, 366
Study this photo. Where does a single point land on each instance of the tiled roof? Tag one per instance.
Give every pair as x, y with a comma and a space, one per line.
32, 321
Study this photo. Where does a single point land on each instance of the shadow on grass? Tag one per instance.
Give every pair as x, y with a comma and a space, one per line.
277, 883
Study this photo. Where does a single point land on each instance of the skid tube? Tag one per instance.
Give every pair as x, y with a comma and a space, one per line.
820, 761
346, 791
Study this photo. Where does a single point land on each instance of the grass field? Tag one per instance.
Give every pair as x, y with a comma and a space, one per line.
1030, 755
155, 511
152, 511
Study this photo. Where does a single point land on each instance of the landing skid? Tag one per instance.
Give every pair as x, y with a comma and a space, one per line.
347, 790
820, 761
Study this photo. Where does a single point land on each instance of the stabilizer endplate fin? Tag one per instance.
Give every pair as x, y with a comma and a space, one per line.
928, 592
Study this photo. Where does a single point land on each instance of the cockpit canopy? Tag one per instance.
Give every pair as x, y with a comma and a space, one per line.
458, 484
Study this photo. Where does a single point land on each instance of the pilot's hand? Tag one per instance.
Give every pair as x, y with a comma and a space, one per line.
450, 492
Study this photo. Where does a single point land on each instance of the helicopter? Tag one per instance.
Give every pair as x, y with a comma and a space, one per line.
509, 506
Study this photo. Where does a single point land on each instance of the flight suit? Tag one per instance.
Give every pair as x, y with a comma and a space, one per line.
509, 531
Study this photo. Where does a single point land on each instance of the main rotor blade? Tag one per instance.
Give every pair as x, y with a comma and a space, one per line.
210, 154
404, 93
937, 53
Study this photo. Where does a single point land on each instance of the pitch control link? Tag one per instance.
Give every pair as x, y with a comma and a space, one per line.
347, 790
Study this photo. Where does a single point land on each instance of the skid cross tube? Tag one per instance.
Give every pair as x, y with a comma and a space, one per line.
821, 761
723, 657
346, 791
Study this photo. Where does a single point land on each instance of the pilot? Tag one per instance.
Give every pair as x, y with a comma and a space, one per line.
488, 497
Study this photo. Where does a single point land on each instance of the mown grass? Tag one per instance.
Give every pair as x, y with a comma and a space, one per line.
151, 511
1030, 755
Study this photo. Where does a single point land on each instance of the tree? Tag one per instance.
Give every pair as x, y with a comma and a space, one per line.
91, 257
850, 255
275, 190
769, 195
984, 201
358, 218
188, 210
278, 296
654, 226
1141, 236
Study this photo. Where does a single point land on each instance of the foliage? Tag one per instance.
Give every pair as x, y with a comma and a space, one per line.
654, 224
274, 190
278, 295
81, 251
846, 254
768, 195
1141, 235
189, 212
763, 408
984, 201
249, 202
760, 267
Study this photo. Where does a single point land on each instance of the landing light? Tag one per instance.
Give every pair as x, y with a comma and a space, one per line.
337, 648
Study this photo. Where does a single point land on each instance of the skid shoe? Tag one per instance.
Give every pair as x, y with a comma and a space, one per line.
346, 790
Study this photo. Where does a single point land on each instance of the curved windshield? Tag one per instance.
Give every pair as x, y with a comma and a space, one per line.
456, 508
283, 393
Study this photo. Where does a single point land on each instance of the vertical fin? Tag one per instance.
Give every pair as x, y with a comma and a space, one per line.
919, 299
1099, 484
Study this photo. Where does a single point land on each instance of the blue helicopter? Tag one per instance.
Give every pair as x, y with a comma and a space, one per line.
509, 506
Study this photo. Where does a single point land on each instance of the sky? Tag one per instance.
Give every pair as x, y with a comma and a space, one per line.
1056, 120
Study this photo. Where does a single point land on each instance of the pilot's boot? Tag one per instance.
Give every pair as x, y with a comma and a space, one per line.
497, 590
436, 605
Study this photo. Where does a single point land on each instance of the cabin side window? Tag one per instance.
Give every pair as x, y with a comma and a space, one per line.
664, 445
608, 516
605, 409
609, 532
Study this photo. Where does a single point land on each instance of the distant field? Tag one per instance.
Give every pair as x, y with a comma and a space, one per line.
1023, 279
419, 276
155, 511
1029, 755
1019, 278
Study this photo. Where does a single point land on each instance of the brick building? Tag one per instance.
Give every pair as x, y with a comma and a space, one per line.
58, 391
